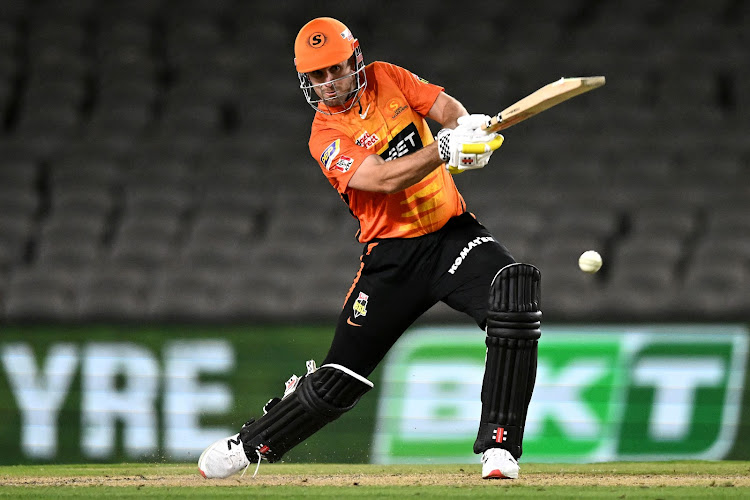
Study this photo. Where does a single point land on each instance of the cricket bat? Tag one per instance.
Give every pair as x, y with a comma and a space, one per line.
550, 95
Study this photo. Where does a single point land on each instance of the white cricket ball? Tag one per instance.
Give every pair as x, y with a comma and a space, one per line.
590, 261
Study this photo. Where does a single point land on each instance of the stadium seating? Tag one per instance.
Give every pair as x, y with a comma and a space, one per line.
154, 165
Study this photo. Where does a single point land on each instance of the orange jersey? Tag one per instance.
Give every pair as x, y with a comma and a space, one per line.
388, 121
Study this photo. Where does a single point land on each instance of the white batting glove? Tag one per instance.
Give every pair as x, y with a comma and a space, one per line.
473, 122
466, 149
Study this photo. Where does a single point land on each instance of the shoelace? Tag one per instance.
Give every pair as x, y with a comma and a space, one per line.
260, 457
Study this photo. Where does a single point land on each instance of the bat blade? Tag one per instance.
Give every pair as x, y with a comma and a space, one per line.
546, 97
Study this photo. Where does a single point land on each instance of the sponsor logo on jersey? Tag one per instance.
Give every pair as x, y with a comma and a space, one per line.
417, 77
364, 115
405, 142
360, 305
330, 153
367, 140
344, 163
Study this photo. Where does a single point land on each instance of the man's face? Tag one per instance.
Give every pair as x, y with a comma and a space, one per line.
335, 83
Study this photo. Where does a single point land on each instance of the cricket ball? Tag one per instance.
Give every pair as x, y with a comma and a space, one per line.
590, 261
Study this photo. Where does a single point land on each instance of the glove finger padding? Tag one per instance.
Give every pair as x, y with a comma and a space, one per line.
466, 150
483, 147
473, 122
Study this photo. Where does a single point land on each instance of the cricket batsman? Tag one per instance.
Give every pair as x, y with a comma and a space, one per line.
420, 245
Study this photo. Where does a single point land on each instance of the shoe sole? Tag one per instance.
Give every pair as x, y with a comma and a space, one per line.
200, 461
496, 474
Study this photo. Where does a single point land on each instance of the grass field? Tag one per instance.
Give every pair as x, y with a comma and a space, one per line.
606, 480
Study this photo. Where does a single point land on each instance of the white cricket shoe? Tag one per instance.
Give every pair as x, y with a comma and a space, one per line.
223, 458
499, 464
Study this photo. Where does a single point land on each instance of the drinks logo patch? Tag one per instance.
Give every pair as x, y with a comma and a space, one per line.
330, 153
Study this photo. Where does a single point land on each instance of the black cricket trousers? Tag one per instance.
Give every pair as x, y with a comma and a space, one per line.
399, 279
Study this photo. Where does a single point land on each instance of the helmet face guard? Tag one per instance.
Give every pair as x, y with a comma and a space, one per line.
352, 96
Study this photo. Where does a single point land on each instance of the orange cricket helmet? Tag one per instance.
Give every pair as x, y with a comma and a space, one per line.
321, 43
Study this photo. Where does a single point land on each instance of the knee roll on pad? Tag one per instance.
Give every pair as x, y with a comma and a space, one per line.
319, 398
513, 330
514, 303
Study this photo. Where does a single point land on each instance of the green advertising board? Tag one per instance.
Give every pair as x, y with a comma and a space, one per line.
155, 393
602, 394
162, 393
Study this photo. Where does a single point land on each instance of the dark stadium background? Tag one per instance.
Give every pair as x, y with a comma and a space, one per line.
154, 168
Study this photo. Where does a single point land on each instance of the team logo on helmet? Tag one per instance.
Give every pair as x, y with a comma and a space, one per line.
317, 40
